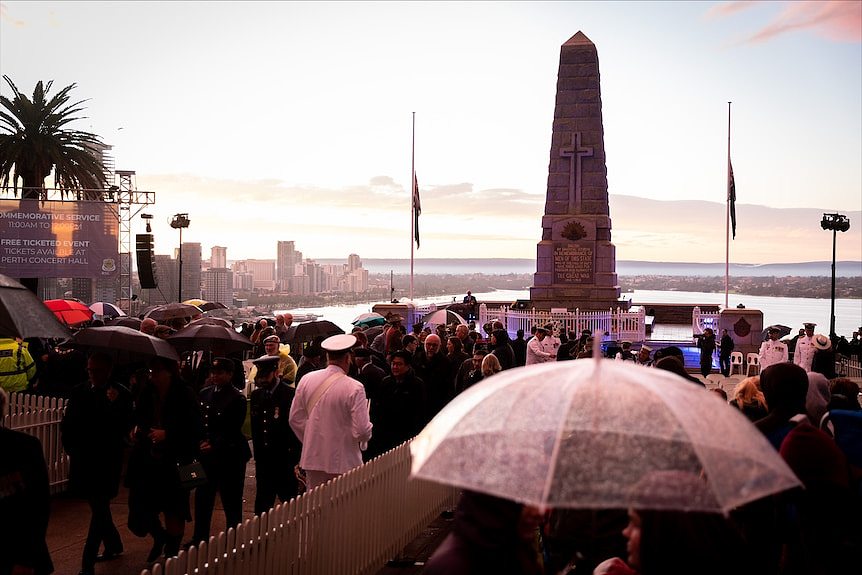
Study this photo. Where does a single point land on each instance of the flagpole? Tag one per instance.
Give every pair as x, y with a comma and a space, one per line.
412, 201
727, 218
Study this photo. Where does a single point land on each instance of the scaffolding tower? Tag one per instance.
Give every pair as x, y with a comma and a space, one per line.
125, 202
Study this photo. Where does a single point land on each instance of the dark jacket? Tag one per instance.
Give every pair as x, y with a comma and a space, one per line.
223, 411
94, 431
272, 437
503, 350
397, 412
437, 375
25, 503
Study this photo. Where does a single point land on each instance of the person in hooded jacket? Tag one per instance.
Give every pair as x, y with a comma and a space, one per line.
502, 348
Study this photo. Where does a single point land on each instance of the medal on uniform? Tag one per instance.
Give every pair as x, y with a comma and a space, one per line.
275, 414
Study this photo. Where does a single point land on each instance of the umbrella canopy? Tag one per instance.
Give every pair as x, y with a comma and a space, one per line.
370, 319
783, 331
23, 315
69, 311
126, 321
122, 343
444, 317
209, 320
599, 434
207, 337
310, 330
211, 305
195, 302
173, 310
106, 310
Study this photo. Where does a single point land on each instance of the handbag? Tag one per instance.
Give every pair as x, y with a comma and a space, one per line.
191, 474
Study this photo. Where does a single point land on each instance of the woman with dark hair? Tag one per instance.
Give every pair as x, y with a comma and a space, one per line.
663, 542
489, 535
167, 434
502, 349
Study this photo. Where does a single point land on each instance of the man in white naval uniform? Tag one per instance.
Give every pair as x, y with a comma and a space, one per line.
537, 350
329, 415
804, 354
772, 351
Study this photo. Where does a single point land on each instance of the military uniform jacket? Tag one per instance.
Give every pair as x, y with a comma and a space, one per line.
804, 354
223, 411
271, 435
772, 352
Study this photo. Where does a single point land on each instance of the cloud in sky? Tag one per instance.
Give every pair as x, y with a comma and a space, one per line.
459, 221
837, 21
289, 121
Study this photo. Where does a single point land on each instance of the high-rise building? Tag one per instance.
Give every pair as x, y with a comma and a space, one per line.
353, 262
166, 292
218, 285
262, 272
191, 271
218, 257
286, 259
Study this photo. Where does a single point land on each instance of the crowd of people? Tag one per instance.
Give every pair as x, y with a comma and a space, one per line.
317, 412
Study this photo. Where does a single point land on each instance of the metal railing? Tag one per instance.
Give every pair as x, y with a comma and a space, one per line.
611, 324
352, 524
701, 320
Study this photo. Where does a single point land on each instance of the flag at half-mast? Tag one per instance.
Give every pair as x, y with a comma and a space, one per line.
731, 197
417, 209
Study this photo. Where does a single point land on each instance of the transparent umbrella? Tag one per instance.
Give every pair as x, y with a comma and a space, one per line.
597, 434
443, 316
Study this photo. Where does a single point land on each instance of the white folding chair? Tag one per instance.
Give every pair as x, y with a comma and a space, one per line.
735, 361
752, 361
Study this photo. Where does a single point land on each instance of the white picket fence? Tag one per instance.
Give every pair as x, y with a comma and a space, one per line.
616, 324
40, 416
850, 367
351, 525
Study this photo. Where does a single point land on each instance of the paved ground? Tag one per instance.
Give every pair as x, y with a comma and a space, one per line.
67, 531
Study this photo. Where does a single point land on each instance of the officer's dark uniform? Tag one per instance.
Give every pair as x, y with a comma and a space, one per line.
276, 447
223, 410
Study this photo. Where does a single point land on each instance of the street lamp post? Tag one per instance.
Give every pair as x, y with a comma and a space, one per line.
837, 223
179, 222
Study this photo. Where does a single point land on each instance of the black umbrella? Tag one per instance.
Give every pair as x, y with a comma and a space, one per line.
23, 315
209, 320
309, 330
783, 330
211, 305
174, 310
124, 344
125, 321
208, 337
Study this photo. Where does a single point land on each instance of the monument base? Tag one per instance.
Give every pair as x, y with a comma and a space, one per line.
596, 299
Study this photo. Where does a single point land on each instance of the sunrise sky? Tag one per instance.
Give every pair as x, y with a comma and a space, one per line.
292, 121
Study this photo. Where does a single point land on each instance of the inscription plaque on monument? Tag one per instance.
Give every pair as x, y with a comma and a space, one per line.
575, 260
574, 264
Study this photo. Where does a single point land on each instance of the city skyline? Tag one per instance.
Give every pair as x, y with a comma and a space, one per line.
262, 120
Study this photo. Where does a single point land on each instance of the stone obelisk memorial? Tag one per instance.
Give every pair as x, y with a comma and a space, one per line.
576, 261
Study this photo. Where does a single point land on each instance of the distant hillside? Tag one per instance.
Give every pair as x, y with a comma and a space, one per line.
501, 266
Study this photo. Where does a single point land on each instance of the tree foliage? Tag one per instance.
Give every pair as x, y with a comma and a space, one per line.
35, 138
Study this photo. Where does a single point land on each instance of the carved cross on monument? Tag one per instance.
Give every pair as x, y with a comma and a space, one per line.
575, 152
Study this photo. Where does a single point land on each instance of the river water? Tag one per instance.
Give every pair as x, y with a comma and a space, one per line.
789, 311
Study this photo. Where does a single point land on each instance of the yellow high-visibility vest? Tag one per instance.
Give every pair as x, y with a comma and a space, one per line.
17, 367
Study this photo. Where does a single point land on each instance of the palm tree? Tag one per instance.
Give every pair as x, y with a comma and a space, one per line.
34, 140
